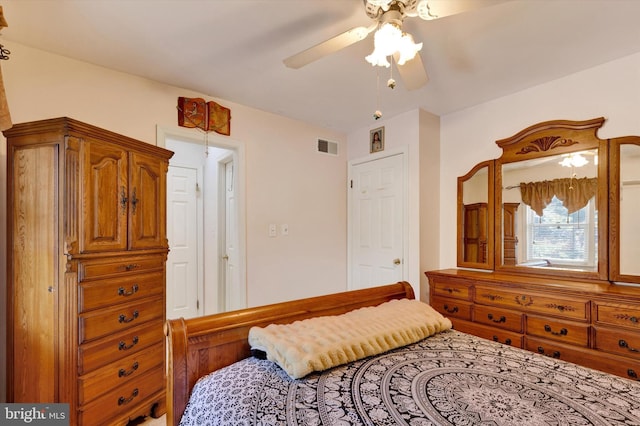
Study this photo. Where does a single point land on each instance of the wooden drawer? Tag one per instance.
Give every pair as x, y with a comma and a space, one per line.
620, 366
114, 375
102, 322
570, 308
102, 268
459, 290
563, 331
452, 308
101, 293
104, 351
617, 315
496, 317
616, 341
118, 400
490, 333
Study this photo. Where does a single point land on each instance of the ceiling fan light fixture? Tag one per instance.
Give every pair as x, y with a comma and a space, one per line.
424, 11
388, 40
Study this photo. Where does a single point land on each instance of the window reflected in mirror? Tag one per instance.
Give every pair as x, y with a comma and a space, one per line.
629, 207
549, 211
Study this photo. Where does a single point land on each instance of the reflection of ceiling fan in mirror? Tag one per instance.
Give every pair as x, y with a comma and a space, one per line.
390, 41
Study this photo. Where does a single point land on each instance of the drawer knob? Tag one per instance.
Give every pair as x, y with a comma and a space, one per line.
123, 318
562, 332
123, 292
623, 344
124, 373
451, 310
122, 400
501, 319
632, 374
122, 346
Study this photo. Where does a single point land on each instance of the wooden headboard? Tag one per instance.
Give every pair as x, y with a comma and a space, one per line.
199, 346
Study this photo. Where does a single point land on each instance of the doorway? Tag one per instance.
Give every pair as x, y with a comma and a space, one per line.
205, 224
377, 224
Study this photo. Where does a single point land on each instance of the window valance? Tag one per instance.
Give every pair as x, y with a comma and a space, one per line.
574, 193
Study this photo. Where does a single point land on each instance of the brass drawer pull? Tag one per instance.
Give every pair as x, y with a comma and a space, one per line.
123, 292
123, 319
122, 400
124, 373
624, 344
506, 342
555, 354
562, 332
501, 319
122, 346
452, 310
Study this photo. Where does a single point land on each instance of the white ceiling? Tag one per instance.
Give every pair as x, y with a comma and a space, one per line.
233, 49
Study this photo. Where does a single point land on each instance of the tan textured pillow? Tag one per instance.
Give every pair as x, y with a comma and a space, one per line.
320, 343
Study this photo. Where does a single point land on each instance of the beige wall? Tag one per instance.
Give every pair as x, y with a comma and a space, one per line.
286, 180
611, 90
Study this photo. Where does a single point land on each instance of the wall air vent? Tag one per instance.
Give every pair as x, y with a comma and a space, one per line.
327, 147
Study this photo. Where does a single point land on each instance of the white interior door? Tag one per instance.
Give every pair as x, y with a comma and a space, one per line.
234, 291
183, 281
376, 222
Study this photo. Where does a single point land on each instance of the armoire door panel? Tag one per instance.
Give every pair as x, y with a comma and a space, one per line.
105, 200
147, 198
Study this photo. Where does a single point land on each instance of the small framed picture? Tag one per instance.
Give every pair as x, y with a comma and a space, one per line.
376, 140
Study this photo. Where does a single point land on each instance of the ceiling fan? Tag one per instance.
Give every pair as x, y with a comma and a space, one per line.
390, 14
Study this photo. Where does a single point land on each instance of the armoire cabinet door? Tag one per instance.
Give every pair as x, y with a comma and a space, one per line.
147, 201
105, 197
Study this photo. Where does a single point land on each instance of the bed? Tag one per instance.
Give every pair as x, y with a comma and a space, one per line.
447, 378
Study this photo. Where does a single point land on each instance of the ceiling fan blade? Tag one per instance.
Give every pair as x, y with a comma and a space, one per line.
442, 8
413, 73
327, 47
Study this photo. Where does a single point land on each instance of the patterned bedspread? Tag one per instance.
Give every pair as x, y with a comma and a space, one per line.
448, 379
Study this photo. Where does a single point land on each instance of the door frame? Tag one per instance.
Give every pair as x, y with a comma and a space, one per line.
238, 148
404, 152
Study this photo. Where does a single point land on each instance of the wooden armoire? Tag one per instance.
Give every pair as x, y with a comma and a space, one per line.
87, 248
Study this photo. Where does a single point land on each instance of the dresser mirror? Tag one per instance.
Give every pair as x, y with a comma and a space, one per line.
475, 217
625, 202
550, 204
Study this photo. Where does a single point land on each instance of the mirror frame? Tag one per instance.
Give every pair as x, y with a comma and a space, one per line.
489, 264
614, 209
551, 138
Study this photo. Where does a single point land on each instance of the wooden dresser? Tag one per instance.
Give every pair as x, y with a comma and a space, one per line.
87, 249
592, 323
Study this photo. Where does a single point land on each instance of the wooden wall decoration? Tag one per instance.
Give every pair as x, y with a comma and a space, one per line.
207, 116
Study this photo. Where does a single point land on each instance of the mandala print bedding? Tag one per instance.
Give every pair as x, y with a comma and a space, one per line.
447, 379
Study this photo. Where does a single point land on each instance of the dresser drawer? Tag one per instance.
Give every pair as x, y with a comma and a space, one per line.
617, 342
490, 333
107, 292
577, 309
496, 317
118, 400
114, 375
102, 322
562, 331
104, 351
617, 315
452, 308
101, 268
459, 290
